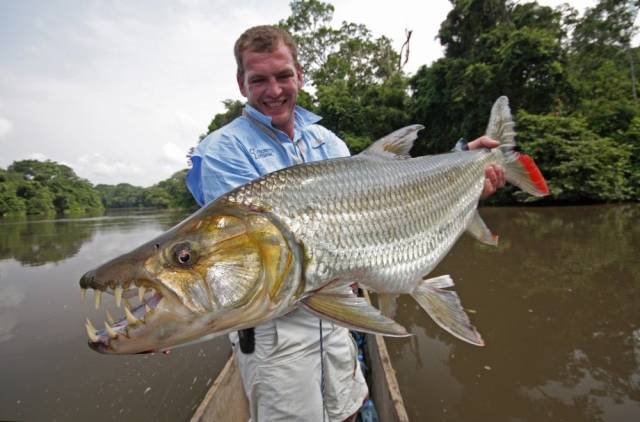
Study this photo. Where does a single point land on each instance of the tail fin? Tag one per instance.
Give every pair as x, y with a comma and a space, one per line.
520, 169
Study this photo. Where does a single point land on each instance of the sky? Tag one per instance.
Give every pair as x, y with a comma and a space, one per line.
120, 90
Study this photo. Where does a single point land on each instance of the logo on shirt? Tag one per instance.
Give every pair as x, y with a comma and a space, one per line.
260, 153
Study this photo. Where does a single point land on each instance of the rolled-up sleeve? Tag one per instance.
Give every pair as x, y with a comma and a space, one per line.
219, 165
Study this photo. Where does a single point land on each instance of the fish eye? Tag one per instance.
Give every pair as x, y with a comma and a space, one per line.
183, 254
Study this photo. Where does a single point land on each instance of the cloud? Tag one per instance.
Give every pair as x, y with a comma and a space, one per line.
173, 154
100, 169
5, 126
37, 156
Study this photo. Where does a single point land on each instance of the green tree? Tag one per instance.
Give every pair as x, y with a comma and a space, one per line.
361, 91
603, 66
514, 51
467, 21
310, 27
122, 195
233, 110
176, 189
46, 188
580, 165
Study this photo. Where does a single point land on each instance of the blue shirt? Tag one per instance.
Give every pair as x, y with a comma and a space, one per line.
250, 147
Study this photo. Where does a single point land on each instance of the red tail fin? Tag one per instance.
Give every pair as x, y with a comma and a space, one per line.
534, 175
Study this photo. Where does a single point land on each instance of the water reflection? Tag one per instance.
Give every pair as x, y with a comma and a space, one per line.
38, 242
557, 304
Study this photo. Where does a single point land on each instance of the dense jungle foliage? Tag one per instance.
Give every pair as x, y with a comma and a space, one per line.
571, 80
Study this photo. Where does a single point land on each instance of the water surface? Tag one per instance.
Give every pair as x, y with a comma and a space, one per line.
558, 305
47, 370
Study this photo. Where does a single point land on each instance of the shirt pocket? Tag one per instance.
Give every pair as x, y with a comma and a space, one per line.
316, 149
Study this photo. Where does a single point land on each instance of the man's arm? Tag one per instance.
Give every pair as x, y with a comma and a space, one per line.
494, 174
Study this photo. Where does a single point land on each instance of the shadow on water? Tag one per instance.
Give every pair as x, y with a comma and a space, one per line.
557, 305
47, 370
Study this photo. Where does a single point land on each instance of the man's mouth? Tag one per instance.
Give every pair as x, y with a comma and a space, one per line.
275, 104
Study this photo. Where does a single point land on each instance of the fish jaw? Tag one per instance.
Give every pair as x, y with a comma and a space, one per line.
154, 322
238, 271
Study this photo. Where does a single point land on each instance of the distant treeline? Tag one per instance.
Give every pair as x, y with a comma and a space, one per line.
170, 193
32, 187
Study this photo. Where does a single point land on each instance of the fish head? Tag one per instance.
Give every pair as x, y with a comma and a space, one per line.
222, 269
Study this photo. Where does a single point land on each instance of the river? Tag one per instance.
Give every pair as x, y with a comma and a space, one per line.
557, 304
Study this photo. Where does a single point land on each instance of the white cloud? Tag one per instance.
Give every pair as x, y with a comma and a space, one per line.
100, 169
37, 156
5, 126
173, 154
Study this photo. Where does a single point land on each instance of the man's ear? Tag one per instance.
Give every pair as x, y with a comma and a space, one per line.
240, 80
300, 76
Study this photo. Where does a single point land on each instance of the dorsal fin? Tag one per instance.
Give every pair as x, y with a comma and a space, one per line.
395, 145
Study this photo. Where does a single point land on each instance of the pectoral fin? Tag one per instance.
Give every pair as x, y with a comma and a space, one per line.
478, 229
352, 312
444, 307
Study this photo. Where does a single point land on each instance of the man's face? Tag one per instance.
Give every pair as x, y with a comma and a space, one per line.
271, 82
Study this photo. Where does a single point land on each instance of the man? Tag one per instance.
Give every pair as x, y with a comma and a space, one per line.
284, 376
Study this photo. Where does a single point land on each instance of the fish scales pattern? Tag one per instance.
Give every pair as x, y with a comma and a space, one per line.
383, 223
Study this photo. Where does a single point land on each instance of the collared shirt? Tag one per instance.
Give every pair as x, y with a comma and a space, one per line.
250, 147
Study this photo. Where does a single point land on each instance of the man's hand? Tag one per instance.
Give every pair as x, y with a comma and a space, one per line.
493, 174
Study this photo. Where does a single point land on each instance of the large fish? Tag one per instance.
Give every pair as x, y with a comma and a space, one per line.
299, 237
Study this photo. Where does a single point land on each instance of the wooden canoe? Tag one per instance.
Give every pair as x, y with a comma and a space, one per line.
226, 401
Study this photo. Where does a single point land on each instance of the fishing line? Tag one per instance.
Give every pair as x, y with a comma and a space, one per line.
322, 372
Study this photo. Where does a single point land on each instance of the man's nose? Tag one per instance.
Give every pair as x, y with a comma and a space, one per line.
274, 89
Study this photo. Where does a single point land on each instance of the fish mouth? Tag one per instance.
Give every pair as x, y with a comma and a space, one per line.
138, 300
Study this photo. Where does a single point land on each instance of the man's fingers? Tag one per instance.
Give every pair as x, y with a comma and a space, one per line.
488, 189
500, 176
491, 174
483, 142
493, 180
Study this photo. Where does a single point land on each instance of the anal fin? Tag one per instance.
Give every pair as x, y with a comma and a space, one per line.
352, 312
444, 307
479, 230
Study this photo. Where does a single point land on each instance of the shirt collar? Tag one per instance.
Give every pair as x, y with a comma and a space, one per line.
302, 117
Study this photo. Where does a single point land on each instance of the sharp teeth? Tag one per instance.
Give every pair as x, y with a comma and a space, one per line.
83, 294
109, 317
118, 292
97, 298
91, 332
110, 330
140, 293
130, 317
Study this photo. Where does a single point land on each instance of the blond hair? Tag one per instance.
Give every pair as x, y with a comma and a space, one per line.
263, 39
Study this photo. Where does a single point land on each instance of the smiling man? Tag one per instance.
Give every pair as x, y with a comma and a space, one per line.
271, 81
295, 367
281, 364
